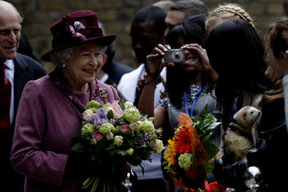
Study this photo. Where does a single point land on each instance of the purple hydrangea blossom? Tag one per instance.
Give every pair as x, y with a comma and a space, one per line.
90, 119
98, 118
101, 117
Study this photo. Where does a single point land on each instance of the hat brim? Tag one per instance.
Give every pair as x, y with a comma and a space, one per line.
103, 41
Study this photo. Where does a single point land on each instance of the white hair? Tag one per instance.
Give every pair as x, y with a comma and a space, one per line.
60, 57
7, 5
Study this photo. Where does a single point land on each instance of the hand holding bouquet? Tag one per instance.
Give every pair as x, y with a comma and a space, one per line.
112, 137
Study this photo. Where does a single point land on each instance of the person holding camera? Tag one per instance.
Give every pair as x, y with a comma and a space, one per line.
189, 86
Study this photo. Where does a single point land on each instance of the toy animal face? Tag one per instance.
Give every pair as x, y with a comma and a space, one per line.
247, 116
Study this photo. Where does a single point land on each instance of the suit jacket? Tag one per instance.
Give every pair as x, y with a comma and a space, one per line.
26, 69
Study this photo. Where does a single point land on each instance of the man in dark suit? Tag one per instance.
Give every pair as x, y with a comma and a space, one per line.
15, 71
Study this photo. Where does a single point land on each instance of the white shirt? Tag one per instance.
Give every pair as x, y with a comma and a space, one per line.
9, 73
128, 84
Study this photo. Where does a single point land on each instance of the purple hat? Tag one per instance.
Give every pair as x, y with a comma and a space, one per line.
76, 28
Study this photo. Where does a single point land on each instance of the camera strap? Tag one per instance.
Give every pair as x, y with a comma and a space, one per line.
193, 103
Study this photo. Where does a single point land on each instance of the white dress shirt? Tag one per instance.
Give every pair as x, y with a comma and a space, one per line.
128, 84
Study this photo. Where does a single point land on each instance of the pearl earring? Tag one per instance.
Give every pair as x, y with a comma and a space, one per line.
63, 65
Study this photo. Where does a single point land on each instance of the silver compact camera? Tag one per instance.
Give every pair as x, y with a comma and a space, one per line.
174, 56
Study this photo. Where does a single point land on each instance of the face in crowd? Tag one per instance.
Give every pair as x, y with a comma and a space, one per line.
84, 64
9, 33
144, 39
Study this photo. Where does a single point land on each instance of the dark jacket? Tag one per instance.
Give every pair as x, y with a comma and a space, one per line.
115, 71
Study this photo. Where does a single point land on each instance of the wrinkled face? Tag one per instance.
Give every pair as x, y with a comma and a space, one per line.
9, 34
84, 64
173, 17
273, 71
144, 39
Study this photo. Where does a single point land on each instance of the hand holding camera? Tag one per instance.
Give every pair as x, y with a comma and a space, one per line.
154, 63
203, 63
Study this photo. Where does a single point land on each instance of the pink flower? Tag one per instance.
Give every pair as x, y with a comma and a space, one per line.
98, 136
124, 128
115, 107
117, 111
76, 29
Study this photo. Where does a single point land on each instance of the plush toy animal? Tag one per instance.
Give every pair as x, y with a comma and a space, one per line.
238, 138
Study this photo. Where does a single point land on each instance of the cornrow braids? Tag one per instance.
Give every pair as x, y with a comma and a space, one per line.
228, 11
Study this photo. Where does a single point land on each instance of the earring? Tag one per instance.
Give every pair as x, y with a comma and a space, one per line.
63, 65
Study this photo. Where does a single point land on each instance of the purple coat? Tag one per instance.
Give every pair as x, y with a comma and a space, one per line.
47, 117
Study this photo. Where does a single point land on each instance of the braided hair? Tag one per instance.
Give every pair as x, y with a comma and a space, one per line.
228, 11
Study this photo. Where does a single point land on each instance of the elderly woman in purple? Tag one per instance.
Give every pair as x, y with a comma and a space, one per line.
50, 108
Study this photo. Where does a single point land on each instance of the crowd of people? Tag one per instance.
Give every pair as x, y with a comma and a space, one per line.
225, 66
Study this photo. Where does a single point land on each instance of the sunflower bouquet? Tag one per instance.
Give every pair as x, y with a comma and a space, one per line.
112, 137
188, 157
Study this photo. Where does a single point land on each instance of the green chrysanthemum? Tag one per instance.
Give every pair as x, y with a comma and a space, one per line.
131, 115
105, 128
87, 129
93, 105
185, 160
147, 126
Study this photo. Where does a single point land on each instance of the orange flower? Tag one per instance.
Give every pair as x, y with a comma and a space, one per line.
183, 141
184, 120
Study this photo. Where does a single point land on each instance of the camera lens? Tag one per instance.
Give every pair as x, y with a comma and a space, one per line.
178, 56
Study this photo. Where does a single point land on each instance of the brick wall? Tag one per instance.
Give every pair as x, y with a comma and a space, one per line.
116, 16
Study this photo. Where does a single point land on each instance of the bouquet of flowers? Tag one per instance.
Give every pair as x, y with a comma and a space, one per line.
188, 157
112, 137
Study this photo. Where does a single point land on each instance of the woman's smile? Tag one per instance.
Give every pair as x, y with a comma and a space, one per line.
90, 71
